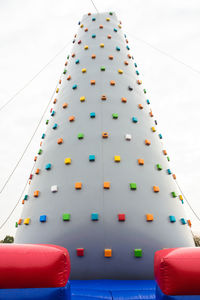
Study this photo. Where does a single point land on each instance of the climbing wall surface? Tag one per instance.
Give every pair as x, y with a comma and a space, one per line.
102, 185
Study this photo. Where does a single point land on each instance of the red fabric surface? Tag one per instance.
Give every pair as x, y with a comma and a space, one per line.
177, 271
33, 266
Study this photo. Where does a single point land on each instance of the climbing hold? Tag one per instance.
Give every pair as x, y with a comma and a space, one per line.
86, 47
133, 186
93, 56
115, 116
128, 137
174, 176
148, 102
94, 217
100, 26
115, 29
134, 120
78, 185
160, 135
138, 252
27, 221
54, 101
102, 68
53, 113
84, 70
156, 189
69, 77
149, 217
101, 45
79, 42
174, 195
107, 252
93, 19
106, 185
140, 161
81, 25
48, 167
130, 88
112, 82
137, 73
164, 152
189, 223
104, 135
54, 188
135, 65
140, 106
107, 19
19, 222
80, 251
153, 129
37, 171
147, 142
93, 36
82, 99
80, 136
74, 86
183, 221
25, 197
71, 118
92, 115
110, 57
57, 90
169, 171
144, 91
121, 217
66, 217
117, 158
117, 48
35, 158
172, 219
159, 167
77, 61
127, 47
109, 36
36, 194
65, 105
68, 161
180, 197
91, 157
123, 99
43, 218
120, 71
103, 97
92, 82
86, 29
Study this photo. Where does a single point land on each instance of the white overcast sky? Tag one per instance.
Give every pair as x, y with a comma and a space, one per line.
33, 31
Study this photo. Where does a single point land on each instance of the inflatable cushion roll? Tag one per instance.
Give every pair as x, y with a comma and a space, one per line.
33, 266
177, 271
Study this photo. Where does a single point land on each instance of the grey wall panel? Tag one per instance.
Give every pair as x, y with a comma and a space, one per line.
107, 232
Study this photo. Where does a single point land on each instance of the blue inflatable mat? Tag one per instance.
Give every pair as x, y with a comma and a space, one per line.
112, 289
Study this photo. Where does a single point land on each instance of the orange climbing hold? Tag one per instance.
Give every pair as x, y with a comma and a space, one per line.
54, 101
92, 82
71, 118
129, 56
149, 217
106, 185
109, 36
36, 194
104, 135
86, 29
189, 223
174, 176
65, 105
156, 189
151, 114
69, 77
73, 54
78, 185
147, 142
60, 141
37, 171
35, 158
123, 99
140, 161
100, 26
19, 222
60, 81
110, 57
103, 97
112, 82
126, 63
93, 56
165, 152
140, 106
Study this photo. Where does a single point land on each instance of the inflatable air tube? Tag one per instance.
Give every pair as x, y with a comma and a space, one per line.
30, 272
177, 273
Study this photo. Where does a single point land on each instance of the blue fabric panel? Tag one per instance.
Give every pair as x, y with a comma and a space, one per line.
161, 296
62, 293
133, 295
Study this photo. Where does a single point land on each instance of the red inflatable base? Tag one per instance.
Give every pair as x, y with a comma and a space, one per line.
177, 271
33, 266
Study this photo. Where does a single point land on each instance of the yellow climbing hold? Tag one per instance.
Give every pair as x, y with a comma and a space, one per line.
86, 47
82, 99
84, 70
102, 45
120, 71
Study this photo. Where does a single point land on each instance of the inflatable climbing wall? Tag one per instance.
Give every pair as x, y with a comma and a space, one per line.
102, 185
